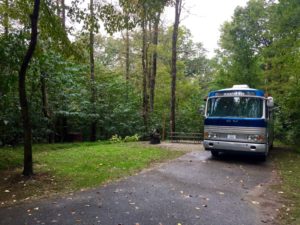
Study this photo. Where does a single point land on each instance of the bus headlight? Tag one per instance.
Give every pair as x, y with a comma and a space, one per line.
210, 135
256, 138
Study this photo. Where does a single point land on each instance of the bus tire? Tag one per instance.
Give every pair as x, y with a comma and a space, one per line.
263, 157
214, 153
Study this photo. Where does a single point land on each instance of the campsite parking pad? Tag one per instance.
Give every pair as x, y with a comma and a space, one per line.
193, 189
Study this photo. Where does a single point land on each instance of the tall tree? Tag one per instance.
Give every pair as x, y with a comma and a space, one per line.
145, 67
63, 14
5, 17
178, 8
154, 61
242, 39
28, 167
92, 71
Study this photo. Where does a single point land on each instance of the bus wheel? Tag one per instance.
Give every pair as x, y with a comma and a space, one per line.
214, 153
263, 157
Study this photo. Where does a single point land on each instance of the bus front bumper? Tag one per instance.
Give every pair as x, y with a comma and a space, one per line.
224, 146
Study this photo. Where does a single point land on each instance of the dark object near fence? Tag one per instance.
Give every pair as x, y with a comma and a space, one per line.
176, 137
155, 137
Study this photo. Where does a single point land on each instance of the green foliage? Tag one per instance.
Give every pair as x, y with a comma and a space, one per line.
282, 59
133, 138
241, 41
260, 47
115, 139
118, 139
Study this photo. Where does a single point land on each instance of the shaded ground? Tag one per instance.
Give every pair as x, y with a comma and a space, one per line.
194, 189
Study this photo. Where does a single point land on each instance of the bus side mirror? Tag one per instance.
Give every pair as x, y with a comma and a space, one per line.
270, 102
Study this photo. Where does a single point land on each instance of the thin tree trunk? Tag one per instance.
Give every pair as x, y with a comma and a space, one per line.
149, 55
145, 73
178, 5
6, 19
127, 55
58, 8
92, 71
45, 107
63, 14
127, 62
154, 62
28, 167
164, 127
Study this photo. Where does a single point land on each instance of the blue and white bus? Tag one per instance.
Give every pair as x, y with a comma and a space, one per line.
238, 119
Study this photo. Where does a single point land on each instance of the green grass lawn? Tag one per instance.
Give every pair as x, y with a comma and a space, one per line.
69, 167
287, 161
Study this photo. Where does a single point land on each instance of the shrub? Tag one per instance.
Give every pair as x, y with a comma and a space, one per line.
115, 139
133, 138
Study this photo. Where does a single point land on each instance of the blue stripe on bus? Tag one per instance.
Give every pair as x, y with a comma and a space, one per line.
241, 122
256, 92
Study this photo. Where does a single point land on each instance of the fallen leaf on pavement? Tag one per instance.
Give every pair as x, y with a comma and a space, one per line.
255, 202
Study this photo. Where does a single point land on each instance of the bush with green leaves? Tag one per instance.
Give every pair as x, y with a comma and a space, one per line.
115, 139
133, 138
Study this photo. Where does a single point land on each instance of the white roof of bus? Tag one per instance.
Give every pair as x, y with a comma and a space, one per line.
238, 87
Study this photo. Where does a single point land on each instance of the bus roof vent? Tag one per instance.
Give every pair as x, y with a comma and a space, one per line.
240, 86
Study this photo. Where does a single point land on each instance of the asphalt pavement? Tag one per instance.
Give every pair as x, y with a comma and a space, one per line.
193, 189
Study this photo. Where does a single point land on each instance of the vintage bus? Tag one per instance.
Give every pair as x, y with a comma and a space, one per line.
238, 119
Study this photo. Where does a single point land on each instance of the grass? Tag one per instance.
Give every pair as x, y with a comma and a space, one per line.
287, 160
70, 167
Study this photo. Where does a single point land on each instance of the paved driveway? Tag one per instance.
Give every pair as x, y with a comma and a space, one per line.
194, 189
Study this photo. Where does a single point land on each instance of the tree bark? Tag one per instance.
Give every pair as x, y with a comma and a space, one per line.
92, 71
127, 55
28, 167
45, 107
63, 14
154, 62
5, 18
149, 54
145, 74
178, 6
58, 8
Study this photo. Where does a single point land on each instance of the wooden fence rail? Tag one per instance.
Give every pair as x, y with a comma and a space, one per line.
176, 137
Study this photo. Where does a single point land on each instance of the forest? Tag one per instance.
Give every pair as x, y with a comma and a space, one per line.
85, 84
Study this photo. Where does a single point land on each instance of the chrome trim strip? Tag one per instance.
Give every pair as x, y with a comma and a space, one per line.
223, 146
235, 130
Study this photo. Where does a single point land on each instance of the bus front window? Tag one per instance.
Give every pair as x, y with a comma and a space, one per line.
241, 107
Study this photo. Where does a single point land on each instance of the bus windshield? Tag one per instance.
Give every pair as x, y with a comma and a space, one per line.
241, 107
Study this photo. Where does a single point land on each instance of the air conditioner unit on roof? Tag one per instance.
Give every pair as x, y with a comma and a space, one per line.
240, 86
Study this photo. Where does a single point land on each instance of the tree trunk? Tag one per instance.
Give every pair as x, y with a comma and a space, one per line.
92, 70
154, 62
127, 56
127, 62
63, 14
5, 18
45, 107
178, 5
58, 8
149, 55
28, 167
145, 73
